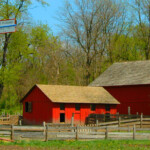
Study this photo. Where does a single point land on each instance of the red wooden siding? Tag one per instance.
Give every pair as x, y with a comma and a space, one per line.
137, 97
45, 110
41, 108
79, 116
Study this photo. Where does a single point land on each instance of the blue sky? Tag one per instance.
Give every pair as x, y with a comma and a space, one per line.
47, 14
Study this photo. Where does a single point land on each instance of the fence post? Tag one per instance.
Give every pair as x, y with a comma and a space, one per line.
77, 135
141, 119
119, 120
72, 120
44, 128
46, 134
129, 110
20, 123
134, 132
106, 133
12, 132
128, 128
137, 114
97, 122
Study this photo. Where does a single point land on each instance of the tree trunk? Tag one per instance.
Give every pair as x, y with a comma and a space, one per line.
88, 73
1, 89
4, 62
5, 51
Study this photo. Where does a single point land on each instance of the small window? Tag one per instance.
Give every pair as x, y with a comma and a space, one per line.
62, 106
28, 106
62, 117
107, 107
93, 106
77, 106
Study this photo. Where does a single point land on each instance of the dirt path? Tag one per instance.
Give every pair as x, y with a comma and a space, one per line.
15, 147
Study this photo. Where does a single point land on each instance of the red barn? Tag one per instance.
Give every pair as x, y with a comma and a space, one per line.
129, 83
57, 103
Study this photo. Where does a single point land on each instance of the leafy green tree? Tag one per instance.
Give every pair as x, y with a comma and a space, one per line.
17, 54
142, 14
11, 9
42, 62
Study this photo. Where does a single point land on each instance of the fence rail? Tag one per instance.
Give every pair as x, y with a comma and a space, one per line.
122, 122
79, 132
93, 118
133, 128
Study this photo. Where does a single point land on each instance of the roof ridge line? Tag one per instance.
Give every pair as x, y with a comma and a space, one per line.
131, 61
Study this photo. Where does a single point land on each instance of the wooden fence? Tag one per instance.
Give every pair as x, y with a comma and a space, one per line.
9, 119
93, 118
137, 128
139, 122
76, 133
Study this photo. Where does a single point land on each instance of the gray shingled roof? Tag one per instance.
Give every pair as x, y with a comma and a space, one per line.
125, 73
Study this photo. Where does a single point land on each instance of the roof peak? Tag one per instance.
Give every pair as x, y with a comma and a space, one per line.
59, 85
131, 61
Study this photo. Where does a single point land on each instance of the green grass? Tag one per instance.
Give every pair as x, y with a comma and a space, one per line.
85, 145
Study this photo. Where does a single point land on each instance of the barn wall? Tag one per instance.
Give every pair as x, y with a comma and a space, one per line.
41, 108
79, 116
44, 110
137, 97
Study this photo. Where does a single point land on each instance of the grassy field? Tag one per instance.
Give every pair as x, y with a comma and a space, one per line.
78, 145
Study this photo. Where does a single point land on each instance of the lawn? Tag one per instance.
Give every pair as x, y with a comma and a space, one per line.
77, 145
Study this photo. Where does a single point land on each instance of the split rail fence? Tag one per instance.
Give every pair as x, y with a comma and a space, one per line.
67, 131
93, 118
139, 122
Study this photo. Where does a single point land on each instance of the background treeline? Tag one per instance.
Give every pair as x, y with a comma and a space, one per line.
95, 34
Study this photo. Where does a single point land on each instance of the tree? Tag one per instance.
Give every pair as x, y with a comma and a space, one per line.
42, 64
11, 9
142, 11
17, 53
33, 56
89, 24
